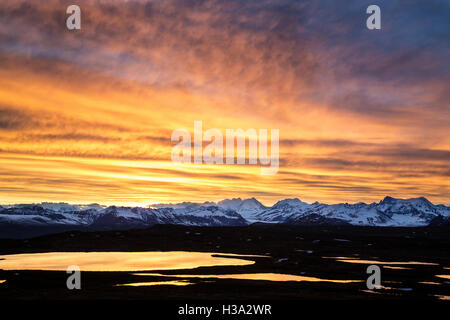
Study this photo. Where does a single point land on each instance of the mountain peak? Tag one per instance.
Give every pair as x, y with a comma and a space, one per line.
391, 200
423, 199
238, 204
251, 203
387, 199
289, 202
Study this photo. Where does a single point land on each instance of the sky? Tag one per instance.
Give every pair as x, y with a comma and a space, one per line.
87, 115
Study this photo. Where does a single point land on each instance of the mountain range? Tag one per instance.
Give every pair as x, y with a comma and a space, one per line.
34, 219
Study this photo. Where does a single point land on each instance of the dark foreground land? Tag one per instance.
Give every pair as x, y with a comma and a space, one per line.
292, 250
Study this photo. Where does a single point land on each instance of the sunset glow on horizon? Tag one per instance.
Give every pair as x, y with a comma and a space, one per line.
86, 116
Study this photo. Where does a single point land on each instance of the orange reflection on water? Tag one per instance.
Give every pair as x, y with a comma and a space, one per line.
397, 268
429, 282
119, 261
353, 260
145, 284
253, 276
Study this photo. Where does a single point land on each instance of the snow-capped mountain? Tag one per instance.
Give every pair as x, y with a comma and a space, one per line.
234, 212
388, 212
118, 216
247, 208
283, 210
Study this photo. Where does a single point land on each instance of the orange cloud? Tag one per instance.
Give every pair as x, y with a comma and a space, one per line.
87, 116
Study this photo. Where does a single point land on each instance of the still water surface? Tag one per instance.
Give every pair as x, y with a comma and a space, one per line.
252, 276
120, 261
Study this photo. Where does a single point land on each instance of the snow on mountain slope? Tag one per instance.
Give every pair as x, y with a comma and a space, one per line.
65, 207
388, 212
100, 218
247, 208
230, 212
283, 211
182, 205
